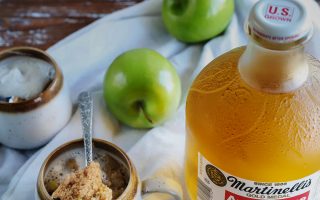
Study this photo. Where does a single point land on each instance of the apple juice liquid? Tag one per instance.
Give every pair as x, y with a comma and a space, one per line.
253, 114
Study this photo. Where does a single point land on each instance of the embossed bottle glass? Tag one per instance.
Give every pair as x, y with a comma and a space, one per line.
253, 114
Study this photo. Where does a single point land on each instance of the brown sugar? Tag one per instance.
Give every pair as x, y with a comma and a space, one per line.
84, 184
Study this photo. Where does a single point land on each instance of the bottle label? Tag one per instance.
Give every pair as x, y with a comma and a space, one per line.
215, 184
279, 13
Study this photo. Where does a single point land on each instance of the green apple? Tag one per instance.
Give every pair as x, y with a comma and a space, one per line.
196, 20
142, 88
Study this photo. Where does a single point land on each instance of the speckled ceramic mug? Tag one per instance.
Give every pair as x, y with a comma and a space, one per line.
135, 189
32, 123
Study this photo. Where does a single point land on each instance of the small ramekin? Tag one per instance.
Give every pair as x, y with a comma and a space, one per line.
32, 123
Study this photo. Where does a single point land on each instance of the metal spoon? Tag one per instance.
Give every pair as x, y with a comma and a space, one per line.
86, 110
12, 99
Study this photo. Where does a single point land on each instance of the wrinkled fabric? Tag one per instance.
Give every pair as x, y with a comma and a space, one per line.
84, 58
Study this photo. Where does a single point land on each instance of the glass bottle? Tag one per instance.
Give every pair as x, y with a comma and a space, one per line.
253, 114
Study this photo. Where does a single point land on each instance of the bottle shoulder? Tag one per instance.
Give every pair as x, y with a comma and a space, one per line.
313, 82
219, 72
223, 71
239, 123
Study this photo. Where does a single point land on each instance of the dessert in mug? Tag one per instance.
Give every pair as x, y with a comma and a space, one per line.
23, 78
104, 179
84, 184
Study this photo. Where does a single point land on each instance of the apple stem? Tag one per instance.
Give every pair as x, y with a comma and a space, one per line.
141, 107
179, 6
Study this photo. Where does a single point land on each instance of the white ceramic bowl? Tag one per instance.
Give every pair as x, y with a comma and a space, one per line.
33, 123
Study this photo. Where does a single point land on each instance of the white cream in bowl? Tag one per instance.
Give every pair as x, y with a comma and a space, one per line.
34, 100
24, 76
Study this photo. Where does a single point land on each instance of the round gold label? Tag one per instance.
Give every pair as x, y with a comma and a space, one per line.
216, 176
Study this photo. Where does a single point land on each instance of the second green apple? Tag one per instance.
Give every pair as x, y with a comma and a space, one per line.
142, 88
196, 20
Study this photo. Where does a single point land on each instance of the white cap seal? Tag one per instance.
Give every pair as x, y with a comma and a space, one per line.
279, 24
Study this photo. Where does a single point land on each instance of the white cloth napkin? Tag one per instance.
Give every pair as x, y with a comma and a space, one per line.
85, 56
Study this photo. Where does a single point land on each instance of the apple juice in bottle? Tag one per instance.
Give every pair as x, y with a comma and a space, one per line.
253, 114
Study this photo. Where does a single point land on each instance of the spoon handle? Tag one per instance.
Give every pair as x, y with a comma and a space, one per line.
86, 110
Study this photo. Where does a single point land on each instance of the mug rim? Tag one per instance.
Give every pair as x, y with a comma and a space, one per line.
131, 189
47, 94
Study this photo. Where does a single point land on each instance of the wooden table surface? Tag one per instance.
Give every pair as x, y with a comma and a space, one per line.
41, 23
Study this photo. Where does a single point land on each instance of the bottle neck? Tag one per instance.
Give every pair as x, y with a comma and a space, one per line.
275, 71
